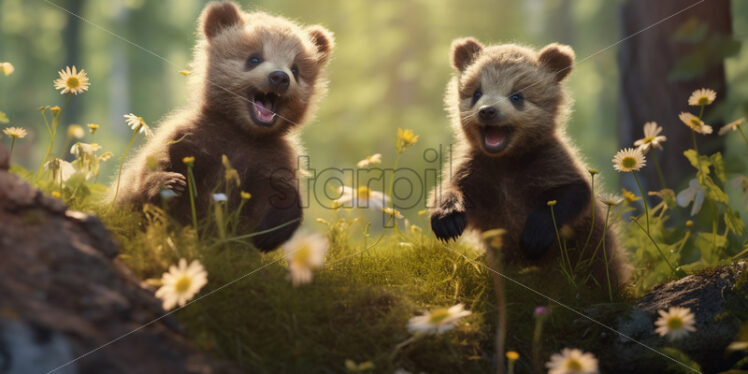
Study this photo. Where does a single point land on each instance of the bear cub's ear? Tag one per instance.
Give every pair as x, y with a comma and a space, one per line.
558, 58
464, 52
323, 39
219, 16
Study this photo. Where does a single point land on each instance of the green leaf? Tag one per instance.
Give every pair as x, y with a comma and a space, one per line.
699, 162
688, 67
733, 222
4, 118
708, 244
691, 31
719, 166
702, 164
719, 48
713, 191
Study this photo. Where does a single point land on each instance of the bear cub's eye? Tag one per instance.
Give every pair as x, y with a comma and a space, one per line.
516, 98
254, 60
477, 95
295, 71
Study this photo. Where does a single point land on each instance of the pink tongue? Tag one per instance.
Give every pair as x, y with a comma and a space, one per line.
263, 113
494, 136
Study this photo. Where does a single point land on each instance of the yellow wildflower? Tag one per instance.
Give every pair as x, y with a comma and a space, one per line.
405, 138
7, 68
75, 131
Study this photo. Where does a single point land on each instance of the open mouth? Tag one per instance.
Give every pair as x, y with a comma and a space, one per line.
496, 138
264, 107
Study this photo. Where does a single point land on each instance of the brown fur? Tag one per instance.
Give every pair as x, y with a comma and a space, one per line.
502, 189
218, 120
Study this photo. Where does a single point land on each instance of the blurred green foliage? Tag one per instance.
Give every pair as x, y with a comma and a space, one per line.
390, 67
389, 70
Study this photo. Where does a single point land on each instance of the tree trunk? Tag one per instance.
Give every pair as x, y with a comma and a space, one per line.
645, 60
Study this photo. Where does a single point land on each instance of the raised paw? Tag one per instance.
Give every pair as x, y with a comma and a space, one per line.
175, 182
537, 236
448, 226
282, 223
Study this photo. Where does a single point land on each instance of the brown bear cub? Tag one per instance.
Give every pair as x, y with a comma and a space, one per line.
508, 110
255, 78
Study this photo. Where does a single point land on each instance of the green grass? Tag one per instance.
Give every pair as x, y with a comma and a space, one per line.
358, 305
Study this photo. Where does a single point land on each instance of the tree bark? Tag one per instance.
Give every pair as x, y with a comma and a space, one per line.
645, 59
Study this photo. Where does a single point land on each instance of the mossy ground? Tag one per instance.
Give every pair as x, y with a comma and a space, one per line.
358, 305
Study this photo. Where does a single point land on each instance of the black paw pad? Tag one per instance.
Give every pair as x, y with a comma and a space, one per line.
449, 226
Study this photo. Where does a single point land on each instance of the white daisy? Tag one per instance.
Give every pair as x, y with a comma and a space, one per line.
572, 361
703, 96
305, 252
362, 197
219, 197
694, 193
180, 284
610, 199
695, 123
438, 320
732, 126
676, 323
138, 124
374, 159
15, 132
629, 159
71, 81
652, 137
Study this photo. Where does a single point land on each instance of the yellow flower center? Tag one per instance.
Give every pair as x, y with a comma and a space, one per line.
674, 323
573, 364
363, 193
438, 315
302, 255
703, 100
183, 284
648, 140
696, 122
73, 82
512, 355
628, 162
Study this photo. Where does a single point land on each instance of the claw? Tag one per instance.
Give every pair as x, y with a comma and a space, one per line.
449, 226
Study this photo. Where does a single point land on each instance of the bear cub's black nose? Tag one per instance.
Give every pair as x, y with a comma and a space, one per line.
279, 81
488, 113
